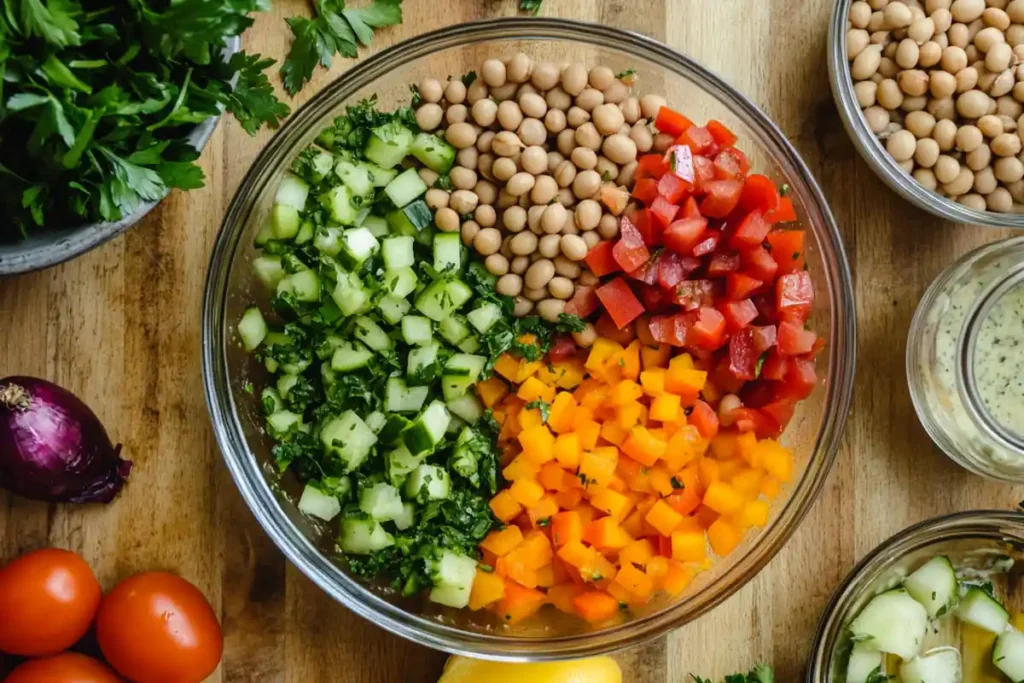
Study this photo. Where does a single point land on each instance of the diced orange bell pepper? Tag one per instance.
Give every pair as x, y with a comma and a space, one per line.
520, 468
705, 516
657, 567
630, 415
770, 488
526, 492
535, 550
595, 469
676, 578
527, 369
725, 446
685, 381
655, 357
748, 482
724, 537
612, 432
661, 481
552, 477
538, 444
491, 391
689, 546
625, 392
544, 510
708, 470
666, 408
567, 450
487, 588
630, 360
570, 498
653, 381
776, 459
606, 533
615, 504
723, 498
643, 447
635, 581
566, 527
746, 442
505, 507
637, 552
528, 419
685, 446
563, 594
588, 433
663, 518
535, 390
560, 417
503, 541
600, 352
519, 603
595, 606
755, 513
507, 366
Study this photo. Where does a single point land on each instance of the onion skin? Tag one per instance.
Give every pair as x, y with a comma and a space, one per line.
53, 447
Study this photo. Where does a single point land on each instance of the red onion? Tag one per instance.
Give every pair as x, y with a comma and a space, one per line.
52, 447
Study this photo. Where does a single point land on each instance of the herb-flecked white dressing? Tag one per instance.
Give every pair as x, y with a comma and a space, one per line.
999, 360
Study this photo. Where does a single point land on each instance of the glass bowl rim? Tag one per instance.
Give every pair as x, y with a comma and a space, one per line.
248, 475
951, 526
874, 154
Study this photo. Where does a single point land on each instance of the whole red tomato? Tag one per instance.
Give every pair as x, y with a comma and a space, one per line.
156, 627
47, 600
67, 667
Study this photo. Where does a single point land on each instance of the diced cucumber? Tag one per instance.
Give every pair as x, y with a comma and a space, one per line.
483, 317
355, 176
401, 398
469, 345
357, 245
381, 501
417, 330
453, 577
447, 251
863, 662
325, 349
284, 221
428, 482
381, 176
318, 504
892, 622
305, 285
407, 518
285, 384
328, 241
281, 423
328, 375
292, 191
363, 535
1008, 654
413, 220
297, 366
321, 164
405, 188
268, 270
388, 144
466, 365
401, 282
453, 329
349, 294
938, 666
339, 204
305, 233
252, 328
397, 252
371, 334
468, 407
270, 401
423, 367
433, 152
349, 438
264, 236
400, 462
934, 585
350, 356
393, 428
427, 430
377, 226
981, 609
454, 387
442, 298
376, 421
270, 364
393, 308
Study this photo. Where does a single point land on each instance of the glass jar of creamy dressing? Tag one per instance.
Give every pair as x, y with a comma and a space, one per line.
965, 360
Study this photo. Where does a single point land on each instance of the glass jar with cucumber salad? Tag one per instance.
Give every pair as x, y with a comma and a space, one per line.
965, 360
939, 603
537, 350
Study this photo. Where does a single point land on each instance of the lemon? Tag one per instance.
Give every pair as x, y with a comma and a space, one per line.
592, 670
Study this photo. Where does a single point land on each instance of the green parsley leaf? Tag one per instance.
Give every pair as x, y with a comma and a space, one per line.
531, 6
542, 406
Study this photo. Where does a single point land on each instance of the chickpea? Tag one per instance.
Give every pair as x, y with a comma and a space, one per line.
914, 104
539, 274
953, 59
462, 178
662, 141
556, 98
437, 199
484, 112
493, 72
507, 144
608, 118
470, 229
428, 116
561, 287
574, 79
913, 82
555, 160
519, 264
990, 126
454, 92
468, 158
972, 104
509, 284
565, 173
427, 176
920, 123
586, 184
979, 158
619, 148
553, 218
926, 178
566, 267
545, 76
966, 11
866, 63
630, 109
966, 79
968, 138
519, 68
961, 184
487, 241
901, 145
587, 136
484, 141
550, 309
985, 181
547, 246
1009, 107
588, 214
460, 135
946, 169
589, 99
456, 113
534, 160
944, 133
889, 94
584, 158
601, 77
533, 105
942, 85
485, 216
607, 227
555, 121
586, 337
929, 54
1006, 145
856, 41
607, 169
897, 15
650, 105
573, 247
523, 306
627, 173
942, 18
430, 90
1002, 85
926, 152
907, 54
576, 117
887, 68
921, 31
505, 200
464, 201
544, 191
642, 137
447, 219
503, 169
520, 184
972, 201
509, 115
532, 132
998, 58
999, 200
1016, 191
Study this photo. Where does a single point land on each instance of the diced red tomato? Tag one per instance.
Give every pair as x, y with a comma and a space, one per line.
765, 303
731, 164
708, 332
584, 302
562, 347
763, 337
683, 235
781, 412
759, 264
783, 213
759, 194
690, 209
671, 329
708, 244
680, 164
697, 138
794, 295
757, 421
650, 233
817, 347
620, 302
742, 355
787, 249
673, 188
650, 166
670, 270
606, 328
653, 297
739, 286
721, 198
704, 419
738, 314
703, 173
646, 272
774, 366
751, 231
645, 190
663, 212
671, 122
692, 294
794, 340
630, 252
601, 260
800, 378
721, 264
722, 135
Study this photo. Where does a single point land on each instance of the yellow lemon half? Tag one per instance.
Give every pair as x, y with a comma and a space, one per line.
592, 670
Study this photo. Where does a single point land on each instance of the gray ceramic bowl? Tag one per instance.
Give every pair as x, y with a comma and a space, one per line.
49, 247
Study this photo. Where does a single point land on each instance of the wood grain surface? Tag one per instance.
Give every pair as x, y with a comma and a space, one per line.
120, 327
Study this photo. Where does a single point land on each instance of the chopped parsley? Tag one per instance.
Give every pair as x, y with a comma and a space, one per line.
542, 406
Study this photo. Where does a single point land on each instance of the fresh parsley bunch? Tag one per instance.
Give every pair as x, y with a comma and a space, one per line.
97, 98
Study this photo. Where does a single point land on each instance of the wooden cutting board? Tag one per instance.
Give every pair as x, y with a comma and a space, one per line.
120, 327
